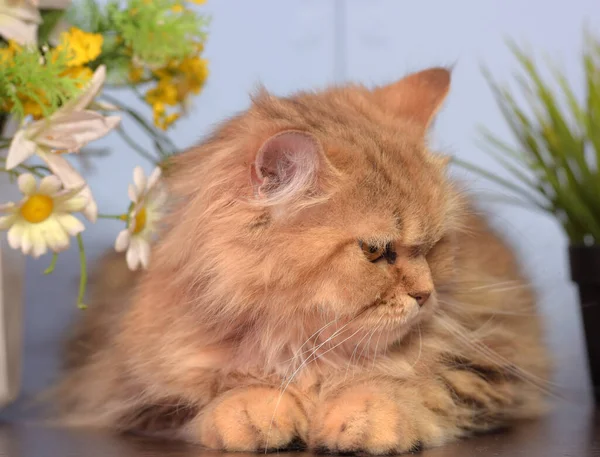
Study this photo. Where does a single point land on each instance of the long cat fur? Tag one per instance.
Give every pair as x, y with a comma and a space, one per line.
260, 322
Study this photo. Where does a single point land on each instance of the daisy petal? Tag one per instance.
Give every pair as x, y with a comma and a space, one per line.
144, 252
14, 235
27, 184
9, 207
26, 241
50, 185
132, 256
154, 177
70, 205
20, 150
71, 179
122, 241
55, 235
157, 198
139, 178
132, 193
7, 221
70, 223
38, 241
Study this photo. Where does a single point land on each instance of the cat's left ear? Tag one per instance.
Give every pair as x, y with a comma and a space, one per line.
417, 97
286, 167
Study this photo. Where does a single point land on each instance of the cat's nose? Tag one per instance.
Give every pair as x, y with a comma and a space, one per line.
421, 297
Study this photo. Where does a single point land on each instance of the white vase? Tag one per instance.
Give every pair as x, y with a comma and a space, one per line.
12, 272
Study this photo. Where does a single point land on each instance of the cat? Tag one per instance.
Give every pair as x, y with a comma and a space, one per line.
320, 281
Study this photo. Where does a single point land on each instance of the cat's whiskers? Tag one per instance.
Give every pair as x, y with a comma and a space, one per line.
474, 307
420, 347
369, 341
337, 345
498, 360
376, 348
285, 384
375, 329
354, 353
485, 285
299, 352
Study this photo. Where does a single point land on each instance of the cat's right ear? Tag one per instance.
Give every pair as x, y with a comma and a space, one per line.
417, 97
286, 168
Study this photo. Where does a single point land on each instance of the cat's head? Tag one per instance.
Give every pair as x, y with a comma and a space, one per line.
320, 207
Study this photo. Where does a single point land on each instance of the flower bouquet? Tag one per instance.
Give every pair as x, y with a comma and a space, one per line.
57, 61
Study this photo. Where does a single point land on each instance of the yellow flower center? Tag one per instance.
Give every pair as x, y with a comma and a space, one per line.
140, 221
37, 208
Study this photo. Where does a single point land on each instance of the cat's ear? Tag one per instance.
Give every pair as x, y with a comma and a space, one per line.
417, 97
286, 167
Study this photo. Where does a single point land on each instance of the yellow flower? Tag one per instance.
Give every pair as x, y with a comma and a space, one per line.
195, 71
177, 81
164, 92
197, 2
82, 74
168, 120
160, 117
178, 8
33, 108
7, 53
82, 47
135, 73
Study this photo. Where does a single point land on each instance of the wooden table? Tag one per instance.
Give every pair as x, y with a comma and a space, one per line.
572, 429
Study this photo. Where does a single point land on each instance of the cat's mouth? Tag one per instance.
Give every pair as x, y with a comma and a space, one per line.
394, 308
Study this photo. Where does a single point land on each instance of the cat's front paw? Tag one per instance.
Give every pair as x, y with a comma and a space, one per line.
253, 419
364, 419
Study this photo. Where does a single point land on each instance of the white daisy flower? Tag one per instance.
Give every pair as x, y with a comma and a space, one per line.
70, 128
42, 219
148, 197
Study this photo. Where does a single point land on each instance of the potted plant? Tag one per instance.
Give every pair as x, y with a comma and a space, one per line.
556, 165
59, 64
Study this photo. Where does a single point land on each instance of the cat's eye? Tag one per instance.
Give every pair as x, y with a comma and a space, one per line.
374, 253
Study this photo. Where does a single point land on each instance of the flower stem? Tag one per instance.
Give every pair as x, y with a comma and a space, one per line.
158, 136
50, 269
120, 217
11, 173
33, 169
141, 151
83, 277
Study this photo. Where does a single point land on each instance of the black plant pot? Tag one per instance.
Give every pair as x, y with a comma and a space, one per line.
585, 272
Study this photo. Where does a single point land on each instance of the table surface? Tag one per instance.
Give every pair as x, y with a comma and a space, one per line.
572, 429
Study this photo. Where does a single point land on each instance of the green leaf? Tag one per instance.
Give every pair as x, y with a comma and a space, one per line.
25, 79
50, 19
553, 142
512, 187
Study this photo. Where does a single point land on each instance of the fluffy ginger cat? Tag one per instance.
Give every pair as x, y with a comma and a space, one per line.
320, 282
